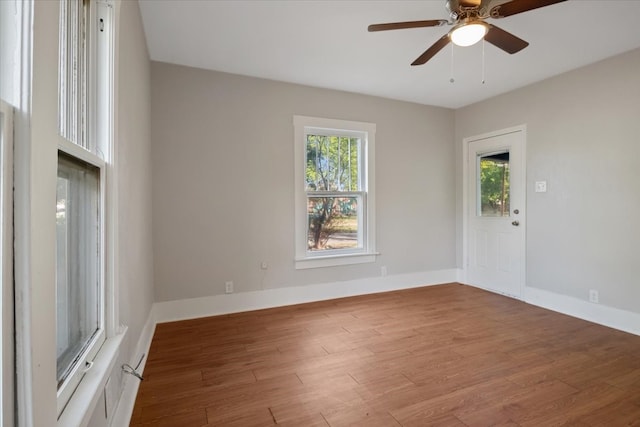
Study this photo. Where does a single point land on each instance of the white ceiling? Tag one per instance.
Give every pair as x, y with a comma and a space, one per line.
325, 43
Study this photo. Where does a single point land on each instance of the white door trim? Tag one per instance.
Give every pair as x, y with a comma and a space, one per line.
465, 195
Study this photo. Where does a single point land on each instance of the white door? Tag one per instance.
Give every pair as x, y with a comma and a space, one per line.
495, 231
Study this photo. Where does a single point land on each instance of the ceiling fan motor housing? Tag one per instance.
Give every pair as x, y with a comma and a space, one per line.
462, 9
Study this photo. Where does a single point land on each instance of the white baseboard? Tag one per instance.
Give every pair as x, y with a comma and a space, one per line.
615, 318
124, 408
626, 321
246, 301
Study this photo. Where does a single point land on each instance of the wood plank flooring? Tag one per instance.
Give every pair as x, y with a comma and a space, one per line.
448, 355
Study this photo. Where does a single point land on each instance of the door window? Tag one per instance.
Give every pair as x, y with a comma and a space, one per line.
493, 184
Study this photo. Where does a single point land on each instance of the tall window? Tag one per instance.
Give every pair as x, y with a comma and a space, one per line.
334, 192
84, 154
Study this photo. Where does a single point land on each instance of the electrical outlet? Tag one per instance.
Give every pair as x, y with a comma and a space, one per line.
593, 296
228, 287
383, 270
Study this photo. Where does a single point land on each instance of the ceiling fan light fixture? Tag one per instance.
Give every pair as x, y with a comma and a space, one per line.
468, 33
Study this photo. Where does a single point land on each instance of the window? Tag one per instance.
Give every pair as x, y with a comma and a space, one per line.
78, 259
335, 218
493, 194
84, 275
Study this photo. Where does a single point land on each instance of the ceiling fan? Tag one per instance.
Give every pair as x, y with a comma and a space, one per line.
469, 26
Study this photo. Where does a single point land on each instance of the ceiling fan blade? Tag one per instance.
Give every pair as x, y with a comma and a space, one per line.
519, 6
505, 40
408, 24
429, 53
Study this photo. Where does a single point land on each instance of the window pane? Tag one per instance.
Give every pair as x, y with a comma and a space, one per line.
494, 184
77, 260
73, 72
332, 163
333, 223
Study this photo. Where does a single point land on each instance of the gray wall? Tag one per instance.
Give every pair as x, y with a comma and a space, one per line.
583, 138
135, 252
223, 182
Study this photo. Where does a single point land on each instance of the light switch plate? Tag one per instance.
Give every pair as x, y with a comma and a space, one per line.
541, 186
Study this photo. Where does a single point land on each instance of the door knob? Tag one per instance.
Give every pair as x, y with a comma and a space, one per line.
515, 223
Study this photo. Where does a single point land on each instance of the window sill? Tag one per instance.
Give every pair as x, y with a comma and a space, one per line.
335, 260
85, 398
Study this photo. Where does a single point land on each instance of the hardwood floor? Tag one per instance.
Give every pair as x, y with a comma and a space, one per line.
448, 355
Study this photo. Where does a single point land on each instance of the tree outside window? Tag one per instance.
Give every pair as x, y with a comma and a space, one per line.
333, 188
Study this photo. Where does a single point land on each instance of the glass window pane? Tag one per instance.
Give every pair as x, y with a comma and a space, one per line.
332, 163
493, 184
333, 223
77, 260
73, 72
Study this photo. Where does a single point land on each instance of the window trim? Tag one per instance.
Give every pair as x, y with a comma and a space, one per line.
366, 131
7, 346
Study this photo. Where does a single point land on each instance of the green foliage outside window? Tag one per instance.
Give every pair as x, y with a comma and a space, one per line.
494, 187
333, 167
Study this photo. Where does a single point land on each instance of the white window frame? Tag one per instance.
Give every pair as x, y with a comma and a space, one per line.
85, 362
366, 252
78, 394
7, 345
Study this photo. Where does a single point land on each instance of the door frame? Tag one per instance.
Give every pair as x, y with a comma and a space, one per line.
465, 201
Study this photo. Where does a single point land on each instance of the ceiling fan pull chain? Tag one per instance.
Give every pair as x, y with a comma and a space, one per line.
452, 79
483, 62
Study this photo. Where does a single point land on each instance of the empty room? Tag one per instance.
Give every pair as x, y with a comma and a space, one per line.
319, 213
